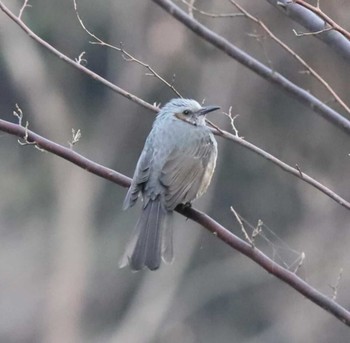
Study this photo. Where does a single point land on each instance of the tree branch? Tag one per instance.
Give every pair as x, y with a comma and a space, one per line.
313, 23
284, 166
294, 55
73, 63
64, 152
217, 131
251, 63
207, 222
221, 43
126, 55
317, 10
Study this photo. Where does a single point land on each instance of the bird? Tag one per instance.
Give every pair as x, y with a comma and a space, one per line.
175, 167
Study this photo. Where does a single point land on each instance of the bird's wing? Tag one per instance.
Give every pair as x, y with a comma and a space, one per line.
183, 172
141, 176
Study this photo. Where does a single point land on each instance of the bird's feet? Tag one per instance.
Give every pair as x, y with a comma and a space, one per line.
187, 205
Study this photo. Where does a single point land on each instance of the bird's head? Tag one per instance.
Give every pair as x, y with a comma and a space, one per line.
187, 110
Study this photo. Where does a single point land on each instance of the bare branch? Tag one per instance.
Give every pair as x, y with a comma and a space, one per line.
217, 131
317, 10
65, 152
152, 72
75, 64
314, 23
232, 121
81, 60
207, 222
299, 170
76, 135
19, 115
245, 233
248, 61
25, 4
192, 8
303, 176
126, 55
294, 54
301, 34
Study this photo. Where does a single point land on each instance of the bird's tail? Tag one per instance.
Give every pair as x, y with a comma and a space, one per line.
152, 240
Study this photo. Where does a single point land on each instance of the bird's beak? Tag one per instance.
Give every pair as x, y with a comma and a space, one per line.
204, 110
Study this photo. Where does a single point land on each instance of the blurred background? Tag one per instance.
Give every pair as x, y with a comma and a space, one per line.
62, 230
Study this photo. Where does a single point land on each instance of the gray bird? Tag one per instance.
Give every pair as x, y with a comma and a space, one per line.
175, 166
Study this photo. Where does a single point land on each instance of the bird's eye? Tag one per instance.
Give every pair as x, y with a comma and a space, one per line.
186, 112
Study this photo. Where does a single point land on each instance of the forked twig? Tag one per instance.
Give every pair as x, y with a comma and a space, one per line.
301, 34
125, 54
222, 133
25, 4
249, 239
207, 222
317, 10
18, 113
292, 53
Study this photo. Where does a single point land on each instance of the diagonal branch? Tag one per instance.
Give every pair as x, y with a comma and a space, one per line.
207, 222
286, 167
68, 154
317, 10
217, 131
221, 43
126, 55
251, 63
314, 23
293, 54
73, 63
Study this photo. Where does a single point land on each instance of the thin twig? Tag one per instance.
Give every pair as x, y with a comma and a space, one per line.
126, 55
248, 61
263, 231
245, 233
232, 119
65, 152
75, 64
81, 60
192, 8
217, 128
292, 53
18, 113
25, 4
207, 222
299, 170
305, 177
314, 33
337, 42
155, 108
76, 135
317, 10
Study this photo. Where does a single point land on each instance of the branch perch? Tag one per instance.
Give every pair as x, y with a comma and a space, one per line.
207, 222
77, 64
